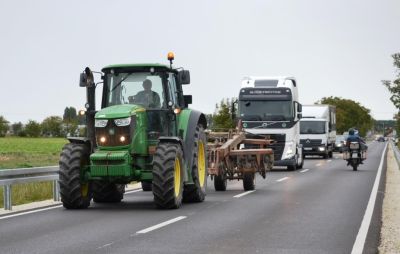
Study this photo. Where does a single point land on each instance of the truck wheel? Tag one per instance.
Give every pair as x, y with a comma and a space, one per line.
146, 186
249, 182
168, 175
330, 154
104, 192
196, 192
220, 183
74, 193
301, 164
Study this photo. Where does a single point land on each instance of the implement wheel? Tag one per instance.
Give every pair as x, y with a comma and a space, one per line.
104, 192
168, 175
196, 192
249, 181
74, 193
220, 183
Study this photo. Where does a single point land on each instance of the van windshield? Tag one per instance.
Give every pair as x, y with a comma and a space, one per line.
312, 127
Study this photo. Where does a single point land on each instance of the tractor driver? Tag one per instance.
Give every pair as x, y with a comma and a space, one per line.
147, 97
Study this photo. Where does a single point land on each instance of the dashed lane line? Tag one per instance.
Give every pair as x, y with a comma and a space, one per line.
282, 179
319, 164
243, 194
160, 225
304, 170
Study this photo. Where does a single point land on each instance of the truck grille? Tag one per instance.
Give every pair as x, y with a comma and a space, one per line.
278, 147
113, 133
310, 142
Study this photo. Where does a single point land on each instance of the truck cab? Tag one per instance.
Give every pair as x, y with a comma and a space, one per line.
318, 130
269, 108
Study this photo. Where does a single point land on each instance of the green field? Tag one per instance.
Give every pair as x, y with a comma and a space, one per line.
18, 152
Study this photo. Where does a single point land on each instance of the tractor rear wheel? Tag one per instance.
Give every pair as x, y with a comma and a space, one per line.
104, 192
147, 186
74, 193
168, 175
196, 192
249, 182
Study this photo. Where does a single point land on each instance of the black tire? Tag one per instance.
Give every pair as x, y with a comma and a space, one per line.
325, 156
197, 192
355, 167
301, 165
220, 183
147, 186
74, 193
291, 167
249, 181
168, 174
104, 192
330, 154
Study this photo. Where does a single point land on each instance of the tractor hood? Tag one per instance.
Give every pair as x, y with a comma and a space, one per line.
118, 111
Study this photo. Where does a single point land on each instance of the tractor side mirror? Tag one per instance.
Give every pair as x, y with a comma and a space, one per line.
184, 77
86, 78
187, 99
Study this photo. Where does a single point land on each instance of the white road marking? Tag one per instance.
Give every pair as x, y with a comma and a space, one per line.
244, 194
359, 243
329, 160
319, 164
29, 212
106, 245
304, 170
133, 191
160, 225
282, 179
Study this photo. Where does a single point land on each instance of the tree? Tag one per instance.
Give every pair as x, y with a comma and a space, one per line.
3, 126
222, 118
32, 129
70, 114
350, 114
394, 88
70, 120
17, 128
52, 126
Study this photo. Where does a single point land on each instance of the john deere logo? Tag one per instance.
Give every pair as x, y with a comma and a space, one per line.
111, 131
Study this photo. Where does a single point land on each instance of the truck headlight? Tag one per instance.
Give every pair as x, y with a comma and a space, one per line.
100, 123
321, 148
289, 150
123, 121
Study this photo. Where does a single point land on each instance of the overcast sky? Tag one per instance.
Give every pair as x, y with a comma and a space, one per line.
334, 48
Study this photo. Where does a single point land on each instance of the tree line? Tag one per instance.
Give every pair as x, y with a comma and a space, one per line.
52, 126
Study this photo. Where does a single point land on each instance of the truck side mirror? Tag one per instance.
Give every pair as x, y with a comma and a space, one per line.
187, 99
86, 78
184, 77
299, 115
299, 107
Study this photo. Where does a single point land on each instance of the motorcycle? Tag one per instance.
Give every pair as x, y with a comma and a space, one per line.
354, 155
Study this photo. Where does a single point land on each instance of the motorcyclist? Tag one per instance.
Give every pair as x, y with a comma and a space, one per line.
354, 137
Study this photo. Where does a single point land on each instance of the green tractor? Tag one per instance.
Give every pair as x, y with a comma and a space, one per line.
144, 132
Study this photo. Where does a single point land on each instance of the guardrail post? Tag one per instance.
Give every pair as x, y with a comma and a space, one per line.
56, 190
7, 197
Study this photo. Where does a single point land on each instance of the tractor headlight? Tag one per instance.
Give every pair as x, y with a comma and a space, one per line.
123, 121
100, 123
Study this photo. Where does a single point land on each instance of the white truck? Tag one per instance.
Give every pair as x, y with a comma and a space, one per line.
318, 130
269, 108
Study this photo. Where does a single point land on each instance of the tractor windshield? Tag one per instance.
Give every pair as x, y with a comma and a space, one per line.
141, 88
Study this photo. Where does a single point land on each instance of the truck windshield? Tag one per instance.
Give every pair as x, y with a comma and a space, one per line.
142, 88
266, 110
312, 127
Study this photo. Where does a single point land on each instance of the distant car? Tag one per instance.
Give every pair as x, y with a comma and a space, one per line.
381, 139
340, 144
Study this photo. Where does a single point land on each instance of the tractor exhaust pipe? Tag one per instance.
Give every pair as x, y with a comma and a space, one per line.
87, 80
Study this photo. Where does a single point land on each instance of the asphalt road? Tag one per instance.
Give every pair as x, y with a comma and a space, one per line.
316, 210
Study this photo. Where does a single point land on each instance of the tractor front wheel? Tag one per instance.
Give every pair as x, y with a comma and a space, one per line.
168, 175
75, 194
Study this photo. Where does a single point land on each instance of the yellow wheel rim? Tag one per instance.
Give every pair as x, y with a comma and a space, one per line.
84, 189
177, 177
201, 164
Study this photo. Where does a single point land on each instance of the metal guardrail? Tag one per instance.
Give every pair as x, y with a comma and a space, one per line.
396, 153
8, 177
